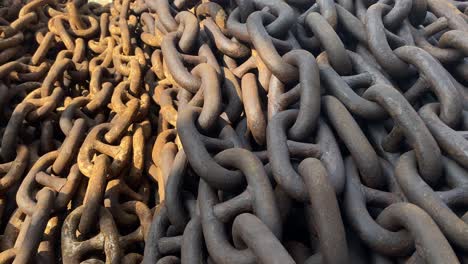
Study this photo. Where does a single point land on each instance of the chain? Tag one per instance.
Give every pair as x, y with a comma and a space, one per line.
241, 131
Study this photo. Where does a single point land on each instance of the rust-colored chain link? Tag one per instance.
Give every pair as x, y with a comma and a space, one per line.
241, 131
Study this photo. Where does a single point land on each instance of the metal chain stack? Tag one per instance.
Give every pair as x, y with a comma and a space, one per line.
246, 131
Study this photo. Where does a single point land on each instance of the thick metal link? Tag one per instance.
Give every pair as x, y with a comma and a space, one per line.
263, 131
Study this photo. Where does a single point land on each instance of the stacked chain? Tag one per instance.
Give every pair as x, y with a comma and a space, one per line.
234, 131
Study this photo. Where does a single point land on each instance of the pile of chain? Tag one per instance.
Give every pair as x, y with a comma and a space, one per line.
247, 131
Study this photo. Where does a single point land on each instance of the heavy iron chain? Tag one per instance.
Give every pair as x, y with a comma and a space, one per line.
246, 131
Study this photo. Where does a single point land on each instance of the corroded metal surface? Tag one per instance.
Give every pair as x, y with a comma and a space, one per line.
247, 131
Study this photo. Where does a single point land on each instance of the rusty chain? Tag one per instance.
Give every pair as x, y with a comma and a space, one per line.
234, 131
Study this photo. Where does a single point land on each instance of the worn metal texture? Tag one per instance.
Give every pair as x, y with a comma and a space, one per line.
233, 131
